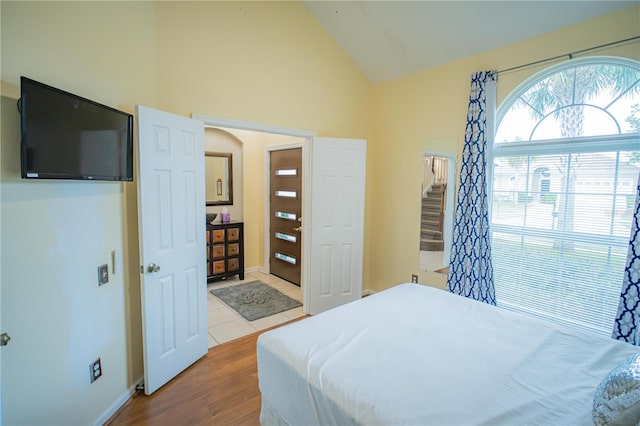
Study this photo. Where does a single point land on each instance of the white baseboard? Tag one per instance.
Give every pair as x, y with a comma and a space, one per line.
106, 415
254, 269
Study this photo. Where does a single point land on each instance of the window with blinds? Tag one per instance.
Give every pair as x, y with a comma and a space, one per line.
566, 163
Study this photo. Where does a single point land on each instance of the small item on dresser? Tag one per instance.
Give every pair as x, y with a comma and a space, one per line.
211, 217
225, 216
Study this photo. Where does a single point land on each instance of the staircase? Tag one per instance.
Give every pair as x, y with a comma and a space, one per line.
432, 218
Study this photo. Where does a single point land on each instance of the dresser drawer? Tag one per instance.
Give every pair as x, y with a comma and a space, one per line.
233, 234
218, 267
218, 251
234, 264
218, 235
233, 249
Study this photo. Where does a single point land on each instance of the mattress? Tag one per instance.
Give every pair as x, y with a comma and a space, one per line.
415, 355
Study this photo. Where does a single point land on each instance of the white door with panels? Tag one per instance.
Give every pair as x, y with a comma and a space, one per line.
171, 221
335, 252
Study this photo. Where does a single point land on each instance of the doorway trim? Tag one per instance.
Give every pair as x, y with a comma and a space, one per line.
210, 120
308, 136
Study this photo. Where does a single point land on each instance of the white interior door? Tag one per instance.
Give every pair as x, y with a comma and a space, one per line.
171, 215
335, 254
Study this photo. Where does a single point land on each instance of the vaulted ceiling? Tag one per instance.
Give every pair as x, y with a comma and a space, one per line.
391, 39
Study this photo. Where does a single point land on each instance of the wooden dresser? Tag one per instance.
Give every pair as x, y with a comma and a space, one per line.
225, 251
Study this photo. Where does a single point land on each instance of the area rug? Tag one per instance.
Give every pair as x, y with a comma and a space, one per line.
255, 300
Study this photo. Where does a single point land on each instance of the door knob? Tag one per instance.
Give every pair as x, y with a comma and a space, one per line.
153, 267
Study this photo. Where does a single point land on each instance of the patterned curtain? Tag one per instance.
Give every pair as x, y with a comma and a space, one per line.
470, 268
627, 325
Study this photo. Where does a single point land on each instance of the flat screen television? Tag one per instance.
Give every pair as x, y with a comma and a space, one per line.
65, 136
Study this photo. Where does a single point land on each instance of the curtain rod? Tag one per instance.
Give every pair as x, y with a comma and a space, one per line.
570, 54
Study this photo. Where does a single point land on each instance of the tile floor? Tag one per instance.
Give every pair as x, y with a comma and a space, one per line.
225, 324
431, 260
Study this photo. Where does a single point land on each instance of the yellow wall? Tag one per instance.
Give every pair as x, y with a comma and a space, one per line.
426, 111
267, 62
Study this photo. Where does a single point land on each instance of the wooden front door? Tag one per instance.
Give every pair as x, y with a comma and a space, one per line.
286, 207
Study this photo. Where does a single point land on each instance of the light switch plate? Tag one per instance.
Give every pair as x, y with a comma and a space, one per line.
103, 274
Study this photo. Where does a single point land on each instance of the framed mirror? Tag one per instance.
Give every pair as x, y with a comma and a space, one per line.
218, 172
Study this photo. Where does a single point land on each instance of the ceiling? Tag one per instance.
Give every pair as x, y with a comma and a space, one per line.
391, 39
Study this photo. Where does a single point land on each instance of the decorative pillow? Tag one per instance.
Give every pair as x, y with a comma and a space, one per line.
617, 398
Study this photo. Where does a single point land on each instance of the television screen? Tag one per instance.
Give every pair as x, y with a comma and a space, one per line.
65, 136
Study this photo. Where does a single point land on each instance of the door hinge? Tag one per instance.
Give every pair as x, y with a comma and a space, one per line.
4, 339
141, 269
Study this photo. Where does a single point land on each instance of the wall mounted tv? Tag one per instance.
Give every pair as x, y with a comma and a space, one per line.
65, 136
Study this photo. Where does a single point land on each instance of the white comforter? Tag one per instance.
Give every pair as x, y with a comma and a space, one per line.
414, 355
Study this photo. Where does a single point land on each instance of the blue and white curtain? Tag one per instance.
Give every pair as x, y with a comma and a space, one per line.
627, 325
470, 268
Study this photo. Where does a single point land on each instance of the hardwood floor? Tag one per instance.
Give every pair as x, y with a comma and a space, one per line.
221, 389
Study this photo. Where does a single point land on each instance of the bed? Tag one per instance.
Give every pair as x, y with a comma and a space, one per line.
415, 355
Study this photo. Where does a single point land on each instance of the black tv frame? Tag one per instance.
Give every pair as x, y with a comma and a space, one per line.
127, 176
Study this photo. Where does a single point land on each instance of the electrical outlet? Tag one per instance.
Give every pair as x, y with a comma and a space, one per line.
103, 274
95, 370
414, 279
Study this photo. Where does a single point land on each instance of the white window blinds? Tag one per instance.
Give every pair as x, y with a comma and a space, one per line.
560, 233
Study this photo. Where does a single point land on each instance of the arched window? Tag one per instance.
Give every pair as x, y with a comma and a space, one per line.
566, 159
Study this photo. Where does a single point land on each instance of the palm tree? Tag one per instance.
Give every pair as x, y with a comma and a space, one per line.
563, 96
634, 122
